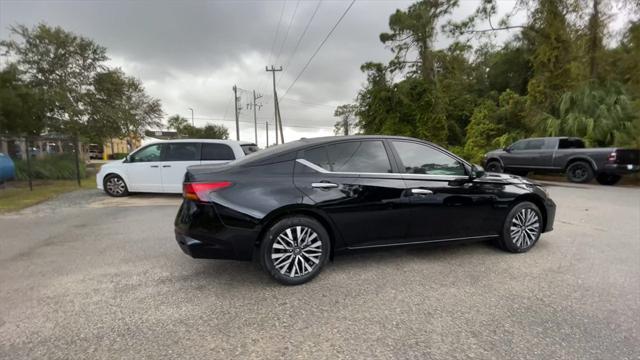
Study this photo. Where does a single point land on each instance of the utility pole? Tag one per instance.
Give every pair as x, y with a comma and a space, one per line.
276, 106
192, 122
345, 123
235, 101
267, 125
255, 116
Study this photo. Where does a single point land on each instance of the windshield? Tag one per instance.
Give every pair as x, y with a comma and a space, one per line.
249, 148
268, 152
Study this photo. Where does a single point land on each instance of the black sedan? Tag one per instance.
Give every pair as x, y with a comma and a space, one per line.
294, 206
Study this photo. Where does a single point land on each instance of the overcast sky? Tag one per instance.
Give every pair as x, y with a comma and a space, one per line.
189, 54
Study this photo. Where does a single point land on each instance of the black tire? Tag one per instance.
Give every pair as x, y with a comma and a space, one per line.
579, 172
302, 252
608, 179
115, 186
511, 240
494, 166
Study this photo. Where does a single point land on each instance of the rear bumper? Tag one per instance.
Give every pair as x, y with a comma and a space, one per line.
550, 209
210, 250
201, 234
620, 169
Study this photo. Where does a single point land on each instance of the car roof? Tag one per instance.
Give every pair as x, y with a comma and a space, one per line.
288, 150
215, 141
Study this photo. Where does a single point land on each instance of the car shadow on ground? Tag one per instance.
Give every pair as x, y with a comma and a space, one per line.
204, 273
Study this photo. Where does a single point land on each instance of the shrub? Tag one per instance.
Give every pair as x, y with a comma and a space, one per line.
53, 167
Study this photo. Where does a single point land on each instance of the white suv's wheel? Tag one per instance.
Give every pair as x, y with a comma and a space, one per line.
115, 186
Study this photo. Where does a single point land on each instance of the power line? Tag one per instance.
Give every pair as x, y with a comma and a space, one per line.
319, 47
275, 38
286, 34
304, 32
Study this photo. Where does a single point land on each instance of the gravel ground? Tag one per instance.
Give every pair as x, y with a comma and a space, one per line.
84, 276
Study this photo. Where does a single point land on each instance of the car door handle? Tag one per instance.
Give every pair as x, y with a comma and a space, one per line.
166, 165
154, 166
324, 185
419, 191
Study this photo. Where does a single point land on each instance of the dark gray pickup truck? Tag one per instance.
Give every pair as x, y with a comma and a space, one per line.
565, 155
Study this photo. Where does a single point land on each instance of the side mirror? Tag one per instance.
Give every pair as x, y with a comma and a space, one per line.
476, 172
127, 159
507, 149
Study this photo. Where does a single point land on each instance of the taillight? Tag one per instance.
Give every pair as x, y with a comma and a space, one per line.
199, 191
612, 157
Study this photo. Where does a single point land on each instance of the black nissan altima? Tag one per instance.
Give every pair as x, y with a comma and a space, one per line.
294, 206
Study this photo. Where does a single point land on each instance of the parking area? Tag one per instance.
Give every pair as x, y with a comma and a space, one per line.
87, 276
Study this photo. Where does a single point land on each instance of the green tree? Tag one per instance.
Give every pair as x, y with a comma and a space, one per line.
184, 129
601, 114
213, 131
553, 60
496, 125
345, 125
63, 65
22, 109
120, 107
414, 30
177, 122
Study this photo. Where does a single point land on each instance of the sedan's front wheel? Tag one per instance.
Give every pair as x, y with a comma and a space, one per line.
522, 228
295, 249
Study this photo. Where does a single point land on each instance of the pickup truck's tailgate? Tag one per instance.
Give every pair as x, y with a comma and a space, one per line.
628, 156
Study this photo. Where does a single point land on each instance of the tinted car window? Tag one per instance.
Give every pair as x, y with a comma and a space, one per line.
519, 145
182, 152
359, 156
318, 156
249, 148
422, 159
147, 154
571, 144
534, 144
217, 152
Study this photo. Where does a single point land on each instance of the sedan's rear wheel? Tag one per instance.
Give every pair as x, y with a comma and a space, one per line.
115, 186
295, 249
522, 228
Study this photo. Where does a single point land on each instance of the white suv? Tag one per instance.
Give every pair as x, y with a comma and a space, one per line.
159, 167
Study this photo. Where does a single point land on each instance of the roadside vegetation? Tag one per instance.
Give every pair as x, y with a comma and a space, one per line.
52, 167
562, 73
16, 196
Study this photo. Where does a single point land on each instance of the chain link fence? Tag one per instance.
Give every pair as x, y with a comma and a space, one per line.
46, 157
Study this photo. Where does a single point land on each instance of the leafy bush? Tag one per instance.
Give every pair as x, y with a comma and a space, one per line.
53, 167
117, 156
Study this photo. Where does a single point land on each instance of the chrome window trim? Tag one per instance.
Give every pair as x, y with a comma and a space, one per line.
322, 170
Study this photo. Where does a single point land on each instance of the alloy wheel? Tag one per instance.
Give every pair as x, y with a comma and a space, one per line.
296, 251
115, 186
525, 228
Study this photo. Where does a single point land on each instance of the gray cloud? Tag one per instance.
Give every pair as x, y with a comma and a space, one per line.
190, 53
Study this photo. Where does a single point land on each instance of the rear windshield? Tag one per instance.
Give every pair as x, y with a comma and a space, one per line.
249, 148
571, 144
268, 152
